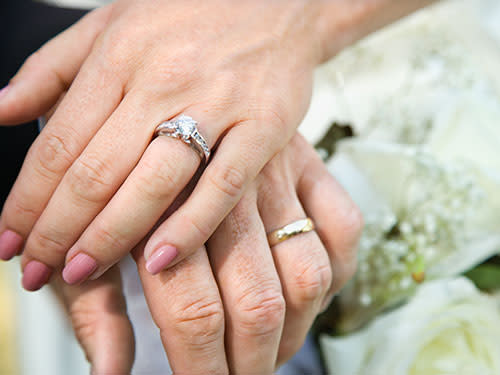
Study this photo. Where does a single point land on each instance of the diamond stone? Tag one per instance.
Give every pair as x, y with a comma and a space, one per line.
185, 126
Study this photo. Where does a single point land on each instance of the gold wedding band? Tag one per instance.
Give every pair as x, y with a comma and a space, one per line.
290, 230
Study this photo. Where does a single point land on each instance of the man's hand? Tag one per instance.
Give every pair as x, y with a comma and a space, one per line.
99, 316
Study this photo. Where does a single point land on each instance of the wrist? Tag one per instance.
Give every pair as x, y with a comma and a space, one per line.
341, 23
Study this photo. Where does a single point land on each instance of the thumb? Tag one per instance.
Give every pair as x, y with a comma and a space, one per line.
49, 72
99, 316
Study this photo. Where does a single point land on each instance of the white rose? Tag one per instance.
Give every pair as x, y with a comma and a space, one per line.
428, 215
447, 328
490, 10
391, 179
392, 85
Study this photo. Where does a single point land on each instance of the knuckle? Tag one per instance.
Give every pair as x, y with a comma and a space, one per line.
19, 208
260, 312
85, 323
54, 153
229, 180
312, 281
273, 114
89, 179
157, 178
172, 73
200, 228
48, 243
87, 318
103, 235
277, 120
201, 320
114, 45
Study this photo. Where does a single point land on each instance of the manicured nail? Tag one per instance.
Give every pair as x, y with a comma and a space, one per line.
79, 269
4, 91
161, 258
11, 244
35, 275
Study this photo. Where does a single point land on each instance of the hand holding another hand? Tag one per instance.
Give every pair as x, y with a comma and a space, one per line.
239, 306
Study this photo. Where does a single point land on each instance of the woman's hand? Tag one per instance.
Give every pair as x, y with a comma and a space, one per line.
239, 306
94, 183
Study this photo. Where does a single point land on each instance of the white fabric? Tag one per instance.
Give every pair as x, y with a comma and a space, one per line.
81, 4
150, 357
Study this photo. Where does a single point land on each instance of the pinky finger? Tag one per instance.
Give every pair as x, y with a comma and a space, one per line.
337, 218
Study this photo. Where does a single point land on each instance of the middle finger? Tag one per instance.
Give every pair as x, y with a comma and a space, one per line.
250, 290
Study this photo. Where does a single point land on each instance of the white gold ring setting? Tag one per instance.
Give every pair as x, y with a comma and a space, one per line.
185, 129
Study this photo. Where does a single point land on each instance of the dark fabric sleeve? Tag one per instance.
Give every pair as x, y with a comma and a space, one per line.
24, 27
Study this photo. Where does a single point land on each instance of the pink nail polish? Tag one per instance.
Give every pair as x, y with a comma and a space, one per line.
4, 91
161, 258
79, 269
35, 275
11, 244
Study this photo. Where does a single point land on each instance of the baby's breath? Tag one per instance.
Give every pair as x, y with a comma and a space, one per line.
398, 248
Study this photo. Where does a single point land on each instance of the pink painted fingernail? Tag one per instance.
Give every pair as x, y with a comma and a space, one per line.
79, 269
4, 91
35, 275
161, 258
11, 244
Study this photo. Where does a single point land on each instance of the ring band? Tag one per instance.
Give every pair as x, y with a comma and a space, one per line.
185, 129
290, 230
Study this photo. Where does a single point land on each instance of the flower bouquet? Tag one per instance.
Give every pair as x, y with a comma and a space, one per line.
416, 142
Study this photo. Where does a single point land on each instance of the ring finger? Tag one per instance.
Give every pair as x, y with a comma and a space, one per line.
303, 266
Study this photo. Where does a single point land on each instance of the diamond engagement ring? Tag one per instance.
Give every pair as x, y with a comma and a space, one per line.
185, 129
290, 230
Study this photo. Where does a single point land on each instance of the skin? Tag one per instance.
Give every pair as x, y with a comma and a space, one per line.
96, 158
231, 310
127, 69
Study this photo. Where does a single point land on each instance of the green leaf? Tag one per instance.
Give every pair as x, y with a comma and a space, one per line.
485, 276
336, 132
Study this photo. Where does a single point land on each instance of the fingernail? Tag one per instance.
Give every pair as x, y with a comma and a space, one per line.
35, 275
161, 258
4, 91
79, 269
10, 244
